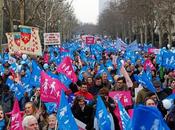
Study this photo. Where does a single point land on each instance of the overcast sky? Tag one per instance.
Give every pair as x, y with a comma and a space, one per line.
86, 10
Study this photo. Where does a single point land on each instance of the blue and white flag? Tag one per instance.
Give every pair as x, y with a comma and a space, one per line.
168, 60
120, 45
102, 70
35, 75
133, 46
65, 117
147, 118
51, 107
123, 115
102, 115
144, 80
65, 80
16, 88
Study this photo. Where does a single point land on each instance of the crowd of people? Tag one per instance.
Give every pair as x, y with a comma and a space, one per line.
90, 84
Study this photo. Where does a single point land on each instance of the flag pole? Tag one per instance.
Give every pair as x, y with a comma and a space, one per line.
157, 96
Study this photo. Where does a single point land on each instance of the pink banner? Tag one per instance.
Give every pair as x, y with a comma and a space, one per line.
124, 96
153, 50
65, 67
90, 40
50, 88
149, 64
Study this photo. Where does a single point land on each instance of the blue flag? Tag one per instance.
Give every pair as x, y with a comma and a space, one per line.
51, 107
123, 115
35, 75
65, 118
16, 88
168, 60
133, 46
172, 97
65, 80
104, 70
144, 80
102, 115
1, 69
147, 118
148, 73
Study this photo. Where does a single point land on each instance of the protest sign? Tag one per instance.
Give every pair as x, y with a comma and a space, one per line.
52, 39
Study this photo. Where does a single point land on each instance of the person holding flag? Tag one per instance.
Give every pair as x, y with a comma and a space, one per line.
83, 112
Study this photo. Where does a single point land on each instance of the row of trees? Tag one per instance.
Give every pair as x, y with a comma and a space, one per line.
144, 20
47, 15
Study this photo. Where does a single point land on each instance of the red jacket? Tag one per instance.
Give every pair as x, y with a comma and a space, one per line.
87, 95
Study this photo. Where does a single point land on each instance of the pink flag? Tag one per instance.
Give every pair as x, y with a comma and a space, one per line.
148, 63
46, 58
153, 50
50, 88
66, 68
63, 50
16, 118
124, 97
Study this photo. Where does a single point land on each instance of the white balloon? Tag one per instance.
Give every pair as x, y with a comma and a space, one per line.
167, 104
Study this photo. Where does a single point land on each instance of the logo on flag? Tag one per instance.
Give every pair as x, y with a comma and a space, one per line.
50, 88
66, 68
65, 116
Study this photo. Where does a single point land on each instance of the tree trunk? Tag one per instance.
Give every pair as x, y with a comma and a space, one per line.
169, 31
22, 8
1, 21
160, 37
152, 36
130, 31
141, 35
146, 33
11, 16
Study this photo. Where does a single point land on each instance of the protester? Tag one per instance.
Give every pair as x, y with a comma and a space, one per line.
84, 92
97, 86
120, 84
7, 99
83, 112
30, 123
150, 102
36, 97
2, 120
94, 71
52, 123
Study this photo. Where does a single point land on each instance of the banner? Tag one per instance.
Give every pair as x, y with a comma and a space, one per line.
30, 41
52, 39
153, 50
13, 39
123, 96
90, 40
